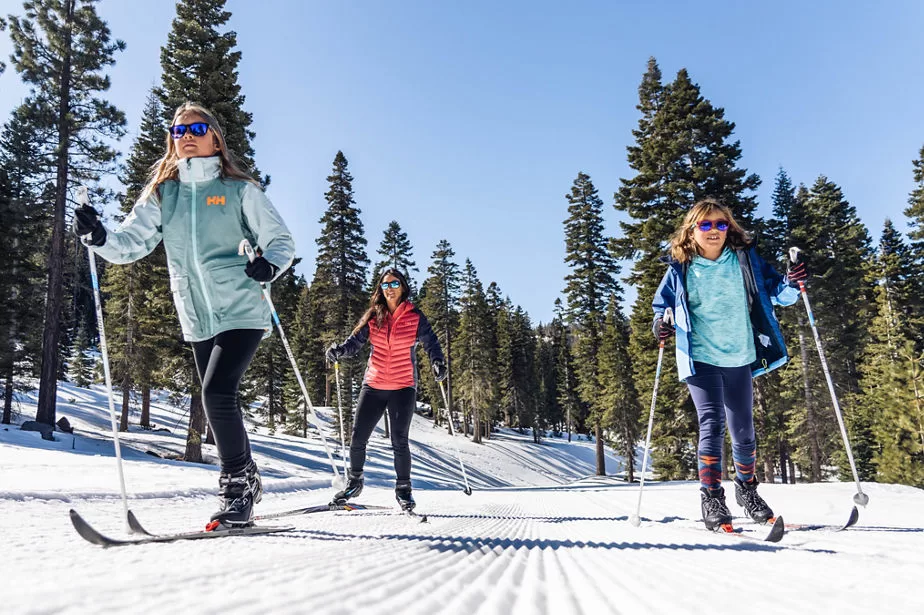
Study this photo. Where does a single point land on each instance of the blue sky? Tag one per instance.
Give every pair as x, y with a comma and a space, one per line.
470, 121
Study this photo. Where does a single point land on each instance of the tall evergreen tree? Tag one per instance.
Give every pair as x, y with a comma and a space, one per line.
837, 249
438, 296
592, 280
568, 398
340, 278
682, 153
396, 251
618, 402
472, 353
140, 317
200, 64
23, 257
892, 383
61, 48
915, 213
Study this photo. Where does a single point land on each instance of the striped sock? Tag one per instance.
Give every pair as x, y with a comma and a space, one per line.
745, 464
710, 471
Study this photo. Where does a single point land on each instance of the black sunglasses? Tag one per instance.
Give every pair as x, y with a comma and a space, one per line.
197, 129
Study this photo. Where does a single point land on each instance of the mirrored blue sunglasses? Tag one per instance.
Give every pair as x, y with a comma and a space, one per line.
197, 129
706, 225
392, 284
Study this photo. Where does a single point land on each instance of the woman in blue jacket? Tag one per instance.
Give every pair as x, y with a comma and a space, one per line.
201, 204
722, 294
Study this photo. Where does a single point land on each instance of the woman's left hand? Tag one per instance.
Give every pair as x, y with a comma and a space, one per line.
260, 269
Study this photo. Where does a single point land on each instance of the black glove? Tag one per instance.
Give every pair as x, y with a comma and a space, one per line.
797, 272
439, 371
334, 353
663, 330
86, 222
261, 269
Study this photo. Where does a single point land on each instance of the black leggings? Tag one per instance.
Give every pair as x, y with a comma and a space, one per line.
221, 362
372, 404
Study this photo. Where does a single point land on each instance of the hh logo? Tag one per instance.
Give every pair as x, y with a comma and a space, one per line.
214, 200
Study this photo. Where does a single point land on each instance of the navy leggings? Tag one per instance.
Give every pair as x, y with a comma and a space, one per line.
723, 394
369, 409
221, 363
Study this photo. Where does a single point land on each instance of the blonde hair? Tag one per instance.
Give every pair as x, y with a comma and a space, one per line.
683, 246
165, 169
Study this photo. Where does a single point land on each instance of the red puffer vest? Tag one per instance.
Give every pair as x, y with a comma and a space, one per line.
393, 360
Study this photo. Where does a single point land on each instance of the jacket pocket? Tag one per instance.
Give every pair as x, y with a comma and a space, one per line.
182, 299
238, 298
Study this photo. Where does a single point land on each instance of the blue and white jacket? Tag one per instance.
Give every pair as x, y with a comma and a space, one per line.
765, 288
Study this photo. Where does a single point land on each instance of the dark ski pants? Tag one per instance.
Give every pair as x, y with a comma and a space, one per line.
723, 394
372, 404
221, 363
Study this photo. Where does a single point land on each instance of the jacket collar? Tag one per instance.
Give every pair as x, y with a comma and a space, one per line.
199, 169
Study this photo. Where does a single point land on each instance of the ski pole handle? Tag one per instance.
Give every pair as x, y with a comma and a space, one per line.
245, 248
669, 319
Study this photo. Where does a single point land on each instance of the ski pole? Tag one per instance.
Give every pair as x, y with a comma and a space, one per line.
452, 431
84, 199
245, 248
635, 519
340, 413
859, 497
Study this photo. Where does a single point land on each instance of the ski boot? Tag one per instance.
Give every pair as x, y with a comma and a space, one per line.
238, 492
715, 511
353, 489
403, 495
747, 497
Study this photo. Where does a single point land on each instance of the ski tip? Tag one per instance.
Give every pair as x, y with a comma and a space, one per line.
777, 531
854, 517
135, 526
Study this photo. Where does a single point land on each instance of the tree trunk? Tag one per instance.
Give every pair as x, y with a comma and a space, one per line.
126, 402
601, 458
145, 421
792, 471
196, 427
51, 335
784, 463
8, 396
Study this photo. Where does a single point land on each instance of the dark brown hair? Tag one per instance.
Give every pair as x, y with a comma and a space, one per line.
378, 307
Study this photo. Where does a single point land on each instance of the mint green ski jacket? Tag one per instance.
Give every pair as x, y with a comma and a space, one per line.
202, 219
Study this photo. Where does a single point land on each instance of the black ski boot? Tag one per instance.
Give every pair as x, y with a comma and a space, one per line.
747, 497
353, 489
238, 492
403, 495
715, 511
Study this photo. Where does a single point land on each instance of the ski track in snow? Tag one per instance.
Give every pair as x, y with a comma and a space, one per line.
534, 537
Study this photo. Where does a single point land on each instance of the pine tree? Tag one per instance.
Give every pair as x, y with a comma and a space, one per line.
892, 383
140, 321
617, 401
22, 260
472, 351
682, 153
438, 296
548, 408
915, 213
396, 251
568, 398
340, 279
592, 280
60, 48
200, 64
836, 249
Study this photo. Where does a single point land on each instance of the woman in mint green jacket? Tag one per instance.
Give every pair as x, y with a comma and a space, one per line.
201, 204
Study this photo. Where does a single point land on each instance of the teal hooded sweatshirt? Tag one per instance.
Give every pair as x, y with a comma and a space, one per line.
202, 219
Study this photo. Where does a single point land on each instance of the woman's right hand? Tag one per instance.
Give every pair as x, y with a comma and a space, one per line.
334, 353
86, 222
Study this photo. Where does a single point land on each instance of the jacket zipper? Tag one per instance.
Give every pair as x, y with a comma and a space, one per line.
195, 247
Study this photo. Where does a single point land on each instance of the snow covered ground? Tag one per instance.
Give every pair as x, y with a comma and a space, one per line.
538, 535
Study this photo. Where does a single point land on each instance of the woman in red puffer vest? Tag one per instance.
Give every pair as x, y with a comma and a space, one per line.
393, 326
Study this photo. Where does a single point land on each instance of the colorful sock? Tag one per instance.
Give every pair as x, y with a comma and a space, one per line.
745, 464
710, 471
